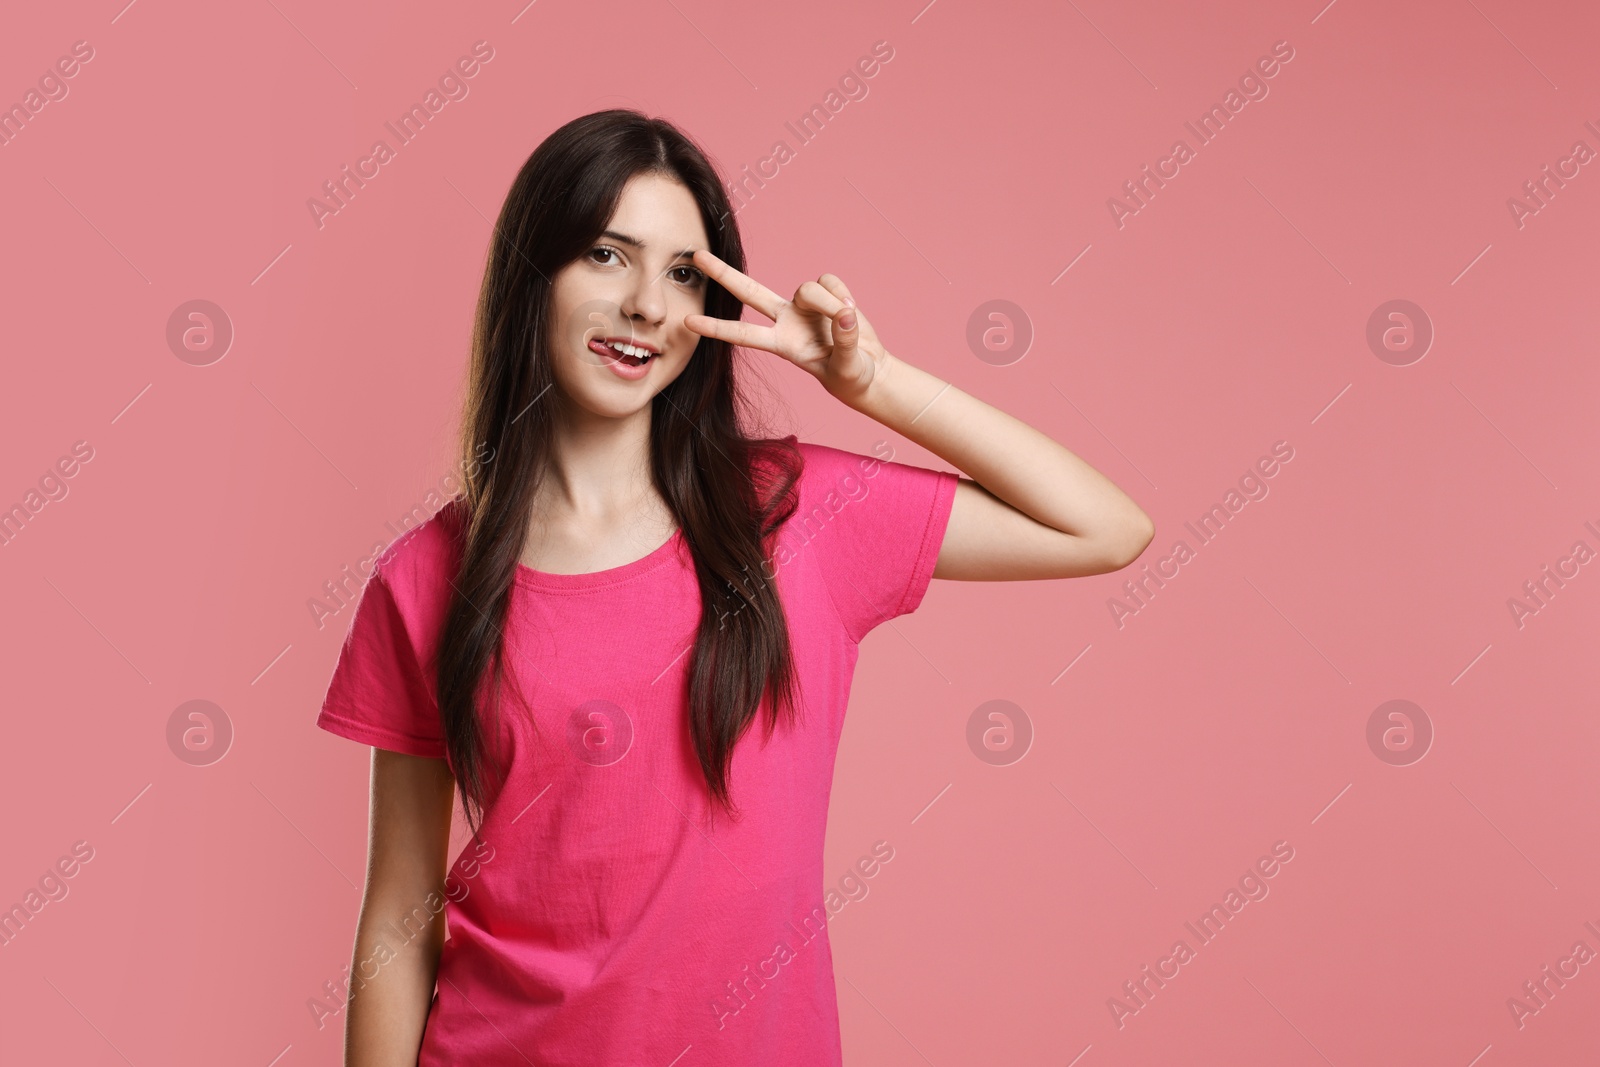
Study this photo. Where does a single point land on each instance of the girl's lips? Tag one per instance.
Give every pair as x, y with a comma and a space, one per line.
614, 360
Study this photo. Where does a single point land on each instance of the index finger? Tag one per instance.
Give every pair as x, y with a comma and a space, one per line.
747, 289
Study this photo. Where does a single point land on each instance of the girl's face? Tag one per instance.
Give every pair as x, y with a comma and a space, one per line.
636, 284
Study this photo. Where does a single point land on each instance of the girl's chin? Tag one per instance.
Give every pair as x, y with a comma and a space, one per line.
593, 405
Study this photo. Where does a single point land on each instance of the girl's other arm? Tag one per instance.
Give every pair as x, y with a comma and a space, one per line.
1031, 508
391, 987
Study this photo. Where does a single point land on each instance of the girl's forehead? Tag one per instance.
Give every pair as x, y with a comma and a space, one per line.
658, 213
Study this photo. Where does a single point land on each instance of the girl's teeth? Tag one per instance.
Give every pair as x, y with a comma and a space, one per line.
632, 355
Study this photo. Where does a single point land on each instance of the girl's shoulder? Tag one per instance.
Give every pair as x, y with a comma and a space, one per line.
419, 563
829, 467
810, 462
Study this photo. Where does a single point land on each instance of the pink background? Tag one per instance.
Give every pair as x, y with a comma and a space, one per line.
1228, 314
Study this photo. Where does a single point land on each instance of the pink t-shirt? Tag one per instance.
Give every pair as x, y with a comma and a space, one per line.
611, 915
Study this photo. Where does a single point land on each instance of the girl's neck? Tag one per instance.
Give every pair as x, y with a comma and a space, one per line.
599, 476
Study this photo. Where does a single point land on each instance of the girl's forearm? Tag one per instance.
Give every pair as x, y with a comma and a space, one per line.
387, 1012
1023, 467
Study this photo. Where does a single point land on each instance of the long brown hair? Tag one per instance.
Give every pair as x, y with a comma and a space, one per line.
729, 493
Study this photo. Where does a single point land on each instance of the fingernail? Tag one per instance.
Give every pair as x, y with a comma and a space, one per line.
847, 320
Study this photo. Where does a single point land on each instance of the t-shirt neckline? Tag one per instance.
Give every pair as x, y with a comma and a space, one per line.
610, 576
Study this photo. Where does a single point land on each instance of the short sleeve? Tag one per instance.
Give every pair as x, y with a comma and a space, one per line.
877, 527
377, 695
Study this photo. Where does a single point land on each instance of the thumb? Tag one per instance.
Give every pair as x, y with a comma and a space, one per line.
845, 333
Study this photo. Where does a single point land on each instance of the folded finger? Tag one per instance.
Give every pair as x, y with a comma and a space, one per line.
813, 297
835, 285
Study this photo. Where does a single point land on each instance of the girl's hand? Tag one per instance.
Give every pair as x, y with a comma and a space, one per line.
821, 331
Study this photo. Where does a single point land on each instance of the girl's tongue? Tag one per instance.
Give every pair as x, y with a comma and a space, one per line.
621, 357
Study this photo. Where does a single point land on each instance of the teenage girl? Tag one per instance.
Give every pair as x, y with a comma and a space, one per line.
577, 643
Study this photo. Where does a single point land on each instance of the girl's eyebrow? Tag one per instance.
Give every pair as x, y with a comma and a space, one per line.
687, 253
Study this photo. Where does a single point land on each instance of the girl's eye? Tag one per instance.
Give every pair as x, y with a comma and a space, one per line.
696, 276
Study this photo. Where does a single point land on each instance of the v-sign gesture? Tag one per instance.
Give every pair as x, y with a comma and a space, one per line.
821, 330
1029, 509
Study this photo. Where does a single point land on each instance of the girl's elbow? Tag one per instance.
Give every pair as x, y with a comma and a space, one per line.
1131, 545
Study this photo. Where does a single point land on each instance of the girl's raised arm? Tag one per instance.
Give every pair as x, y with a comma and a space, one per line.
1030, 509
